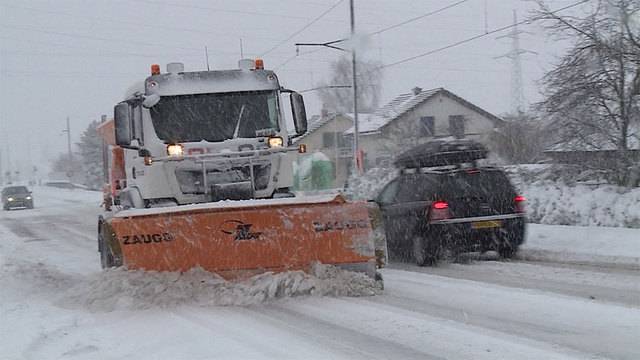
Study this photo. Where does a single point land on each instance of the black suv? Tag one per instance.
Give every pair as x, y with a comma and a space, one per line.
16, 197
442, 200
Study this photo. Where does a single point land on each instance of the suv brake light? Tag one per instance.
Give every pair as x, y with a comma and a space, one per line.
519, 203
439, 211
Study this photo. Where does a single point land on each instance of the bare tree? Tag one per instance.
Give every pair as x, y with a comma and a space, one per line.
521, 140
590, 96
341, 99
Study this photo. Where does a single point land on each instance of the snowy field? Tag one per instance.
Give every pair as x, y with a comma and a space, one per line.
575, 294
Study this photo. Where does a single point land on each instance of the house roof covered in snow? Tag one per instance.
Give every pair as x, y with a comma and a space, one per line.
403, 103
317, 121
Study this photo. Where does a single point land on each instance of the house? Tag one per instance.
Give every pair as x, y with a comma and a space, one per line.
325, 134
418, 116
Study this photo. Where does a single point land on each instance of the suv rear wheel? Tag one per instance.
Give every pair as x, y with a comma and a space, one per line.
507, 250
426, 252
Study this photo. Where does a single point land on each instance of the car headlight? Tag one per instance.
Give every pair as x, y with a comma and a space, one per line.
28, 198
275, 141
175, 150
10, 199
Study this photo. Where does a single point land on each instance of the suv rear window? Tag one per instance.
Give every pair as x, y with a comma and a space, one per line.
478, 181
417, 187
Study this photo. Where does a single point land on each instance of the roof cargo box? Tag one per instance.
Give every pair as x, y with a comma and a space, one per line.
441, 153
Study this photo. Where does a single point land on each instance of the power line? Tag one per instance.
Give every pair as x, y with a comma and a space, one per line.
418, 17
117, 54
137, 24
303, 28
244, 12
458, 43
288, 60
381, 30
58, 33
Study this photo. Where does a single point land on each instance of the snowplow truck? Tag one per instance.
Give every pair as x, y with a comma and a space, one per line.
199, 172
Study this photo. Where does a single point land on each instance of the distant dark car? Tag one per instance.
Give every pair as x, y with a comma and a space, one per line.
443, 201
16, 197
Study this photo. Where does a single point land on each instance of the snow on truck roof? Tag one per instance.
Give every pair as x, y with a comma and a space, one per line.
202, 82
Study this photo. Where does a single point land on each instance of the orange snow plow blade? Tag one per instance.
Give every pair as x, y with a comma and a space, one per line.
237, 239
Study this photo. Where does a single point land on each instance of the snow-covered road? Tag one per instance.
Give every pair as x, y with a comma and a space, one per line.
51, 304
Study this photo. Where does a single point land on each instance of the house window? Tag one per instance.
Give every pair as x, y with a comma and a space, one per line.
328, 139
456, 126
426, 126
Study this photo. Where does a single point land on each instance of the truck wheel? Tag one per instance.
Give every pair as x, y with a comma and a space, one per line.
106, 254
379, 280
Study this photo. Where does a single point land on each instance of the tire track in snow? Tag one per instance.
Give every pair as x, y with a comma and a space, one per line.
428, 334
355, 344
256, 335
583, 281
559, 320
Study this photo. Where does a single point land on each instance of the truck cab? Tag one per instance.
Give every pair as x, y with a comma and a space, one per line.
195, 137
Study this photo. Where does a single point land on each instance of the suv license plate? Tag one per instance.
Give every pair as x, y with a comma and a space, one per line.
486, 224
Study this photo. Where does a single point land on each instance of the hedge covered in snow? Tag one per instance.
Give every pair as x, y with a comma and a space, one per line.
563, 196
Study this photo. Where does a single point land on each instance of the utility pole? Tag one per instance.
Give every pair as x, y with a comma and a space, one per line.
356, 133
332, 45
70, 156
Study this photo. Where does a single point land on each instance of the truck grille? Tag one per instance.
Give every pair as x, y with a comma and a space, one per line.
192, 181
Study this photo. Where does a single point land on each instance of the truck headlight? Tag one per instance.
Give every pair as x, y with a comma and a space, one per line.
28, 198
10, 199
275, 141
175, 150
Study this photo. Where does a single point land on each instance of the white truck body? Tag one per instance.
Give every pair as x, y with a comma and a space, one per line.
224, 122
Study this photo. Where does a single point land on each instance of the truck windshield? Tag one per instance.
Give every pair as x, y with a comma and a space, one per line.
215, 117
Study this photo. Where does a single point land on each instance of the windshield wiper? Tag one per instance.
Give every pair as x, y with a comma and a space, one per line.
237, 130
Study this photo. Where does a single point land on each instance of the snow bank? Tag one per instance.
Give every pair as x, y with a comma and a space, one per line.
118, 289
583, 245
559, 196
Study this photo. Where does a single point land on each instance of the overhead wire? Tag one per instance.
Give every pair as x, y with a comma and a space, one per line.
430, 13
244, 12
137, 24
418, 18
81, 36
467, 40
305, 27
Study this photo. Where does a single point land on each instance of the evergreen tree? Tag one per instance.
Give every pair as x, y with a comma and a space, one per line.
90, 153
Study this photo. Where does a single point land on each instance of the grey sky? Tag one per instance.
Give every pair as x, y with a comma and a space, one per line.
76, 57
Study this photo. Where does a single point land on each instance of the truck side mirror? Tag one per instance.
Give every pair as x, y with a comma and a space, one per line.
150, 100
299, 113
122, 120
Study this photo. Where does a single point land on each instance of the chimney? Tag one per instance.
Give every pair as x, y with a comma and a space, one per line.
416, 90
